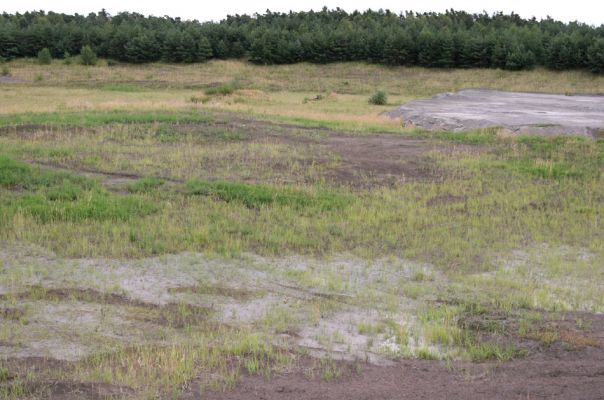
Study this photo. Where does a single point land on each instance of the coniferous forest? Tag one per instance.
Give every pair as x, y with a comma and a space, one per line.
440, 40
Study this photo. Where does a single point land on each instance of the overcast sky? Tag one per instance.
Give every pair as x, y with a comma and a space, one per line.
588, 11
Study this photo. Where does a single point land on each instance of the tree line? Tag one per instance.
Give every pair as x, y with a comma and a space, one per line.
440, 40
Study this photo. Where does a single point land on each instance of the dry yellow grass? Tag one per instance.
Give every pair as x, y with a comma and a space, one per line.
340, 77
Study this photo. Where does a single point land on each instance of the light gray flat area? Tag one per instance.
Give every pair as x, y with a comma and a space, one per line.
516, 112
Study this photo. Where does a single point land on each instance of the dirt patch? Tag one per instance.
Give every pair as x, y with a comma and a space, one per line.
566, 375
12, 313
10, 79
175, 315
219, 290
526, 113
360, 160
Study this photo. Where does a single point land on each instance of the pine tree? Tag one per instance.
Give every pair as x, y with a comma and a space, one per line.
595, 56
204, 49
87, 56
44, 57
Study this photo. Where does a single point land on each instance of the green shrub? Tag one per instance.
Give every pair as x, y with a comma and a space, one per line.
379, 98
44, 57
5, 70
92, 205
87, 56
67, 58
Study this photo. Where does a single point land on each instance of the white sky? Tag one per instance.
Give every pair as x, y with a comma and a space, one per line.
588, 11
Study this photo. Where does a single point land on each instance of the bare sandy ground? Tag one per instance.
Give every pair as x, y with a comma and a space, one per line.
517, 112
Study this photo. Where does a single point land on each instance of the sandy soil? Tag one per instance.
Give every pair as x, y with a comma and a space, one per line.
517, 112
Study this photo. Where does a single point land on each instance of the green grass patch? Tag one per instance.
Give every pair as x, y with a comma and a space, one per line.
98, 117
52, 196
491, 351
477, 136
145, 185
547, 169
257, 196
554, 158
18, 175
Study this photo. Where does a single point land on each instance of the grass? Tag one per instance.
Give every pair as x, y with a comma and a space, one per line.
231, 201
123, 87
96, 118
145, 185
224, 89
52, 196
339, 77
256, 196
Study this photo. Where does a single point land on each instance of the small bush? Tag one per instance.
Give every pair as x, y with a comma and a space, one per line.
5, 70
379, 98
44, 57
67, 58
87, 56
112, 63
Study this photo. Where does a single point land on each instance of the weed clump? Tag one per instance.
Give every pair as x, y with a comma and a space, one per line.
379, 98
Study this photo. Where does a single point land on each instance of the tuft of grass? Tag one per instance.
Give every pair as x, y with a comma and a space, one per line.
491, 351
145, 185
198, 100
257, 196
426, 354
5, 70
379, 98
224, 89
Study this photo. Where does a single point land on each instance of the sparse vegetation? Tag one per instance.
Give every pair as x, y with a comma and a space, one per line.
172, 246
